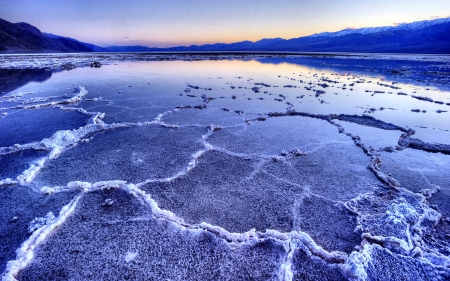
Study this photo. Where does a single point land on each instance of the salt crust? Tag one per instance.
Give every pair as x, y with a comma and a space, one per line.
354, 265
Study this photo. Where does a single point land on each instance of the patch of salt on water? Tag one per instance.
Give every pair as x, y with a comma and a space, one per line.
7, 182
28, 175
130, 256
80, 92
37, 223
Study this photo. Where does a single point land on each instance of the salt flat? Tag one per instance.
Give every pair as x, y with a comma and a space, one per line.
225, 167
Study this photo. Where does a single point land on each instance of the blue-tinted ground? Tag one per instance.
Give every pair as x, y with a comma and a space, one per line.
256, 169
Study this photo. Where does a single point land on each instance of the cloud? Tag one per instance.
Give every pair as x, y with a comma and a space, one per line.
126, 37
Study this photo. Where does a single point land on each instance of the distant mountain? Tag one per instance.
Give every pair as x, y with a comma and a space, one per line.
136, 48
95, 48
368, 30
425, 37
24, 38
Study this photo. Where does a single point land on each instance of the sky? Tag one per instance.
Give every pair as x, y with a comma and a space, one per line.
165, 23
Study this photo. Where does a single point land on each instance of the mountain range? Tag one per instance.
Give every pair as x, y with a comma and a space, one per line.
368, 30
426, 37
24, 38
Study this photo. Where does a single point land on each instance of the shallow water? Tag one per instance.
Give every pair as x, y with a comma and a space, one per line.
255, 169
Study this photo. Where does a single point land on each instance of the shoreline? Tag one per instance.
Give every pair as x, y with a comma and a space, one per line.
58, 60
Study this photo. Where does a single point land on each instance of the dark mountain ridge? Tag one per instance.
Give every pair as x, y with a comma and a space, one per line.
11, 79
433, 39
422, 37
95, 48
24, 38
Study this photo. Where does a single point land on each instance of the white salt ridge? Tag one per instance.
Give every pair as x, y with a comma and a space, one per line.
63, 139
358, 261
375, 161
158, 120
285, 272
393, 243
96, 117
193, 163
28, 175
25, 253
56, 144
237, 239
98, 99
411, 221
429, 192
80, 92
356, 264
84, 186
39, 99
8, 181
66, 138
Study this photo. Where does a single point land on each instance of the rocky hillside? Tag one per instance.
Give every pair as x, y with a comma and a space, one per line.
24, 38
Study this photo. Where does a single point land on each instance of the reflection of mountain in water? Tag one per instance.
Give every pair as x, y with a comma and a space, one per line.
411, 72
11, 79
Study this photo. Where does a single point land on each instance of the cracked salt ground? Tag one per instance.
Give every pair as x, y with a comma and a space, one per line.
190, 116
429, 126
392, 218
18, 207
242, 103
229, 183
376, 138
307, 267
382, 264
139, 111
13, 165
286, 195
38, 124
129, 154
317, 170
334, 228
422, 172
125, 109
271, 137
95, 243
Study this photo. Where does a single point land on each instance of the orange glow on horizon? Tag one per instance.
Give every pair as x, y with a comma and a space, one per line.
194, 22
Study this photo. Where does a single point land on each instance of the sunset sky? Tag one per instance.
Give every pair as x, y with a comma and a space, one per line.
163, 23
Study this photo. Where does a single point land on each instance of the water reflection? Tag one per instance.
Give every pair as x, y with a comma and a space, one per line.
412, 72
140, 91
12, 79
